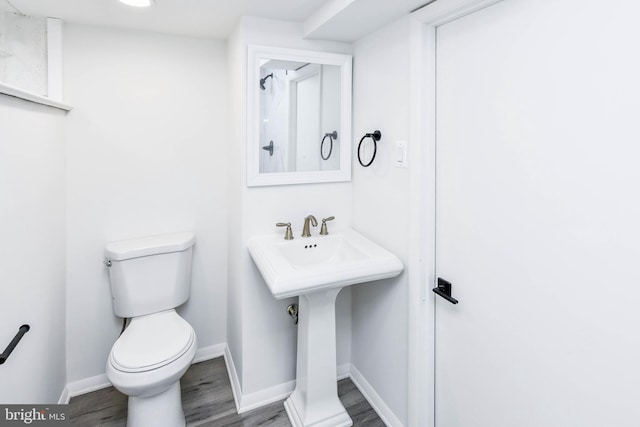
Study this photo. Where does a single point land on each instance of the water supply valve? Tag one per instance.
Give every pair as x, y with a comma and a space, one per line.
292, 309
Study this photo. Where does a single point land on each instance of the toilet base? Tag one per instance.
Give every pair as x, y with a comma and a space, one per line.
161, 410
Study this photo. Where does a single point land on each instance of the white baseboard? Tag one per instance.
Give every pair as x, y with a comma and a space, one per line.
266, 396
87, 385
376, 402
233, 378
344, 371
65, 397
249, 401
210, 352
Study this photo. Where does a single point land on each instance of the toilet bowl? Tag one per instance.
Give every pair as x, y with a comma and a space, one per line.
147, 362
149, 277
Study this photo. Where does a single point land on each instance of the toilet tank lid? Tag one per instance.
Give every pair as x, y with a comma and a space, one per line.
149, 245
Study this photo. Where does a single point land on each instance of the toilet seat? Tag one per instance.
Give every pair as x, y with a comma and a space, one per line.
152, 341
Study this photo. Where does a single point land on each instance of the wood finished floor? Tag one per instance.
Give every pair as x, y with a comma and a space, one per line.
208, 402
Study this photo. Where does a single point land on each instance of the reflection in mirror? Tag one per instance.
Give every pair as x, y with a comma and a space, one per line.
299, 116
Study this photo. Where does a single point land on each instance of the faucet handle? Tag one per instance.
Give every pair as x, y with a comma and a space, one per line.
323, 228
288, 234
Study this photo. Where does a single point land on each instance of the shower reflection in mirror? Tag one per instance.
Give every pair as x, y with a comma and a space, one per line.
299, 104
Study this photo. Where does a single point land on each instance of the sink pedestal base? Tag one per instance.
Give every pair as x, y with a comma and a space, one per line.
314, 402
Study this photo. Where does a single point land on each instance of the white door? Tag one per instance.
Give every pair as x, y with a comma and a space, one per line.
538, 215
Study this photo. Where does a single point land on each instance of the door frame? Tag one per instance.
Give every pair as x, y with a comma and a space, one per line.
422, 190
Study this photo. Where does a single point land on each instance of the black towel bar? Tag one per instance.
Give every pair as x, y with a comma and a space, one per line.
14, 342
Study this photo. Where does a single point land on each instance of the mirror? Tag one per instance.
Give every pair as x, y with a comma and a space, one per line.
299, 116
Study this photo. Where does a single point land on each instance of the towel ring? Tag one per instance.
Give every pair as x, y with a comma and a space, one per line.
333, 135
375, 136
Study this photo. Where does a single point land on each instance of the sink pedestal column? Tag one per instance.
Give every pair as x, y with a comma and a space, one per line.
314, 402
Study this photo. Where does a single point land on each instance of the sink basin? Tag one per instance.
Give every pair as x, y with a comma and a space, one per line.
295, 267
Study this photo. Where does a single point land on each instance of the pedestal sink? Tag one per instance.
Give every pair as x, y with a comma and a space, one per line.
315, 269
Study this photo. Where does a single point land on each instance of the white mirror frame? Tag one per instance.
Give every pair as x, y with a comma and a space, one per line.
254, 177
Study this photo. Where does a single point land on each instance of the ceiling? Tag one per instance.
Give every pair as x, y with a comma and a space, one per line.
342, 20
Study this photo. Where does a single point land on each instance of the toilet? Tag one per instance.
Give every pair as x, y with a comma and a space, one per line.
150, 277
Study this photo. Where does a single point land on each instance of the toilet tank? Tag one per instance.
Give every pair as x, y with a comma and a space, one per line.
149, 274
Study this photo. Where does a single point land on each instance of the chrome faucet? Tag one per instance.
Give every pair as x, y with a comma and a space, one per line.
306, 231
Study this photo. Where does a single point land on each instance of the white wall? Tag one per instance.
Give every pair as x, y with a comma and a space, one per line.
32, 250
147, 152
261, 336
236, 60
381, 211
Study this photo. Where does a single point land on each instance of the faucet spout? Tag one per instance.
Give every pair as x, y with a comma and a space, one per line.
306, 230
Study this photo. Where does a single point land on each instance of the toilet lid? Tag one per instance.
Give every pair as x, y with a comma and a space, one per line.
152, 341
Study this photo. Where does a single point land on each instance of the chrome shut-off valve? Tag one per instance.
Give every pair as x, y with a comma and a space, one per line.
292, 310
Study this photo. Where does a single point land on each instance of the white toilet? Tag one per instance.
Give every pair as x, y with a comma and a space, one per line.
150, 277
